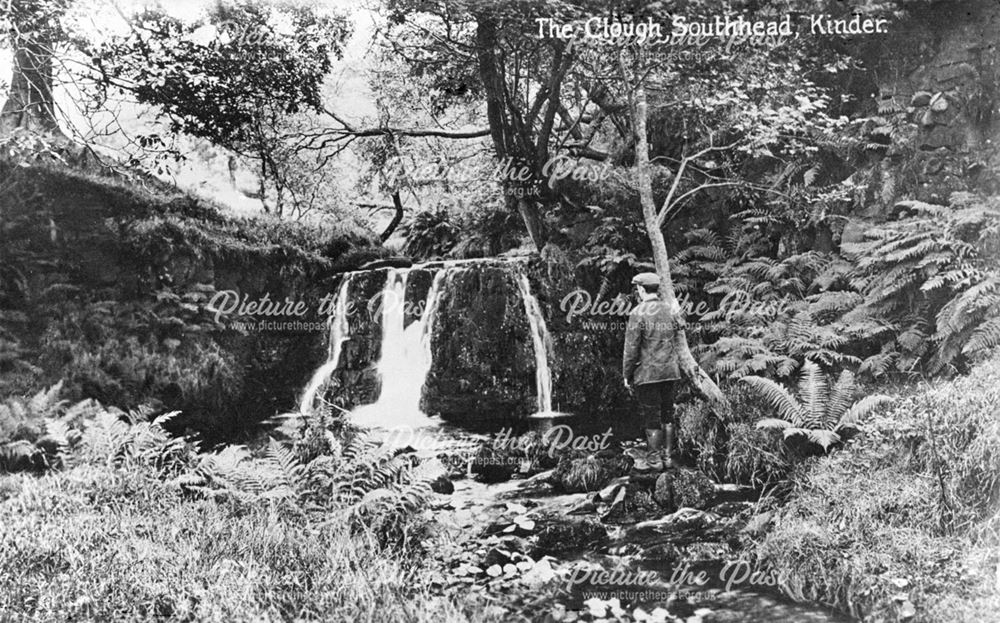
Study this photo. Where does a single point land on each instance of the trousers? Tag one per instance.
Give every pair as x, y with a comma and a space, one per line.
656, 403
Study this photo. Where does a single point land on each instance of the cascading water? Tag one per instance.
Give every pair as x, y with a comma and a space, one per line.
339, 329
542, 342
405, 358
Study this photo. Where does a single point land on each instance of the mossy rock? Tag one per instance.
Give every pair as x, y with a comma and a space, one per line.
561, 536
683, 488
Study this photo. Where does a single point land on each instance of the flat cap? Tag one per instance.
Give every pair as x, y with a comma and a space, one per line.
646, 279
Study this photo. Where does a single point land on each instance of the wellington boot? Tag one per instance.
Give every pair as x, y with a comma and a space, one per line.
654, 441
669, 447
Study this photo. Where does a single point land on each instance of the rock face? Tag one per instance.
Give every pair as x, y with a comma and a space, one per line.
937, 82
483, 370
137, 266
483, 357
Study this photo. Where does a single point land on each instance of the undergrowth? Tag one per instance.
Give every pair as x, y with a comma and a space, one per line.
902, 524
123, 521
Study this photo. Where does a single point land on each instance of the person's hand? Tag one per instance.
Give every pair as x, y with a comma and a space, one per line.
628, 386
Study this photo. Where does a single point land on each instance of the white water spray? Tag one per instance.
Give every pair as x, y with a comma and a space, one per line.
339, 330
542, 342
405, 358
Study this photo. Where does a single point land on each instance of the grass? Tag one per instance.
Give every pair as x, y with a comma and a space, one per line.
98, 543
902, 523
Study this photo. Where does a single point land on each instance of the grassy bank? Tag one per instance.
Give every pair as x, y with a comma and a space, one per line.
136, 525
903, 523
94, 543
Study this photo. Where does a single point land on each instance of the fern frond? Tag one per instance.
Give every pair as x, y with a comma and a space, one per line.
986, 335
840, 397
813, 390
778, 397
861, 409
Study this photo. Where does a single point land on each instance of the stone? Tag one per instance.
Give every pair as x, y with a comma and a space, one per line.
506, 551
683, 488
920, 98
442, 484
939, 103
560, 536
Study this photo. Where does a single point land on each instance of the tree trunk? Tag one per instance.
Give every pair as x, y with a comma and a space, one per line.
29, 105
397, 217
504, 143
689, 367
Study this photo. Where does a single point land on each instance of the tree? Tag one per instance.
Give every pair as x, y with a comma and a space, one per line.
32, 28
247, 77
652, 218
534, 105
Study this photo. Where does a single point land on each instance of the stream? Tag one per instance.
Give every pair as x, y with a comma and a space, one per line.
518, 515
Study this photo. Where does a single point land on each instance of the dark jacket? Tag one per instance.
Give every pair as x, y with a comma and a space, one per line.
650, 348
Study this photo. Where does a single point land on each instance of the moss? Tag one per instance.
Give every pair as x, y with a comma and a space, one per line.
106, 282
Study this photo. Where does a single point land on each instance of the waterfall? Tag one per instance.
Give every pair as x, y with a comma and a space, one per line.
542, 342
405, 359
339, 329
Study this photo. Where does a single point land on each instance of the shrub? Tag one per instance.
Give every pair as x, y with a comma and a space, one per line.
431, 233
729, 446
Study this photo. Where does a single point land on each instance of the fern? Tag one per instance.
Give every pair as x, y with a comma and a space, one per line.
933, 274
818, 414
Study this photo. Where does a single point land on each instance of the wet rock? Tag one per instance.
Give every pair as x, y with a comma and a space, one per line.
443, 484
561, 536
483, 366
510, 549
389, 262
492, 465
683, 488
589, 473
632, 504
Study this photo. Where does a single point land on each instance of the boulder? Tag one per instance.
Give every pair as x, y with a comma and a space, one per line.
561, 536
443, 484
683, 488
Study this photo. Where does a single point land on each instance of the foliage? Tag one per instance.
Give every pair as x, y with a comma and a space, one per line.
241, 78
487, 231
36, 433
220, 78
820, 413
430, 234
932, 277
870, 529
728, 446
112, 540
362, 482
953, 430
765, 314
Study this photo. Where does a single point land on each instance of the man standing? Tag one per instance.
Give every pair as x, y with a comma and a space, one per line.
649, 367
